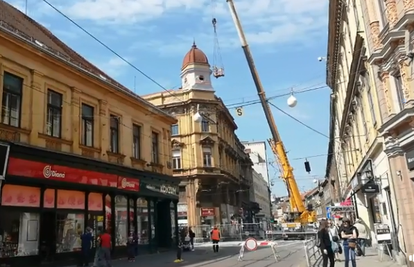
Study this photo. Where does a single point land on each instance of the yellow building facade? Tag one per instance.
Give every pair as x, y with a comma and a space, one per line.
79, 150
45, 80
207, 156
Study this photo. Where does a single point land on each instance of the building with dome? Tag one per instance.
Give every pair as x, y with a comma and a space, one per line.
207, 155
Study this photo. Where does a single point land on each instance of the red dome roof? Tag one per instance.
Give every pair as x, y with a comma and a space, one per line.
195, 56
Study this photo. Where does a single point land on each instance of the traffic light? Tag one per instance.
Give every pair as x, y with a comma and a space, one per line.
307, 166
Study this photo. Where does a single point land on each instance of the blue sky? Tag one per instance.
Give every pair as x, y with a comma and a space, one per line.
286, 38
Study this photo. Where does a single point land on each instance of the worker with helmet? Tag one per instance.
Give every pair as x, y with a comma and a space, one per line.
215, 238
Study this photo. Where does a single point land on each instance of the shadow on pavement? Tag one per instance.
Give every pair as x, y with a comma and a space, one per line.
201, 256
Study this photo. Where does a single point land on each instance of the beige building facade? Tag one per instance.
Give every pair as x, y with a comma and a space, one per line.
207, 156
370, 72
82, 151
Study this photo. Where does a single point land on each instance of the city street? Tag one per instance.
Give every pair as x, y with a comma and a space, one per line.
291, 253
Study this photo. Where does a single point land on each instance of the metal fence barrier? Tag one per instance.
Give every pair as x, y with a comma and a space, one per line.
313, 254
240, 232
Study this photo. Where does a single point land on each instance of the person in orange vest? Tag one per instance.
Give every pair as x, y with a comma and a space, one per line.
215, 238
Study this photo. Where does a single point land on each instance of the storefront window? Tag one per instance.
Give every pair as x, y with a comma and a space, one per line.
173, 223
68, 199
131, 216
19, 234
96, 223
96, 215
49, 198
20, 196
142, 220
121, 221
152, 214
70, 227
108, 213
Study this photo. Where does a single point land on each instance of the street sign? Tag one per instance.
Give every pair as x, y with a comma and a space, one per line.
328, 212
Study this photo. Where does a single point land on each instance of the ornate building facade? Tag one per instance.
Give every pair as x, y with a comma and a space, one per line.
207, 156
369, 68
391, 36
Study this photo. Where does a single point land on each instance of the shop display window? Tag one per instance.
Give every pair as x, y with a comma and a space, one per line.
121, 221
96, 223
68, 199
142, 220
108, 213
131, 216
152, 214
70, 227
49, 198
19, 234
173, 223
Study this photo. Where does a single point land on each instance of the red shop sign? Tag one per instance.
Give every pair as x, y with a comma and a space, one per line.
205, 212
128, 184
33, 169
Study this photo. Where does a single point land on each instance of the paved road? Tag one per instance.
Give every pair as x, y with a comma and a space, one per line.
291, 253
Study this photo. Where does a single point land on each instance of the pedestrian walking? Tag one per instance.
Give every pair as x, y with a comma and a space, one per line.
215, 238
349, 235
362, 235
326, 244
105, 250
131, 247
86, 246
191, 234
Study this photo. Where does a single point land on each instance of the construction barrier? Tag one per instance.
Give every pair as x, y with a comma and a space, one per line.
313, 254
251, 244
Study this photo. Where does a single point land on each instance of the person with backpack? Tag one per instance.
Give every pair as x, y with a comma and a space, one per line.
349, 235
326, 244
334, 231
363, 236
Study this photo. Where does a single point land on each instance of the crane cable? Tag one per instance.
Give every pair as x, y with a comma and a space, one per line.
217, 59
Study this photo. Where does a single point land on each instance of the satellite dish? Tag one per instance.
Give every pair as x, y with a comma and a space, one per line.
292, 101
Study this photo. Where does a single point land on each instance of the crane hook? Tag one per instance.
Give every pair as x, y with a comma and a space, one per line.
214, 22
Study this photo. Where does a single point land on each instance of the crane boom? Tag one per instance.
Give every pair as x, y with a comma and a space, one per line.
276, 144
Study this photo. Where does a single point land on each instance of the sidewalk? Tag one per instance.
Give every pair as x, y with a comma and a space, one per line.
372, 259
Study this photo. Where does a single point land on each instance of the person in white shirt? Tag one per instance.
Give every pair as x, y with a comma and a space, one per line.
362, 235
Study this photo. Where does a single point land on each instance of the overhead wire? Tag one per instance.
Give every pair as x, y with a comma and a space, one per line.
168, 91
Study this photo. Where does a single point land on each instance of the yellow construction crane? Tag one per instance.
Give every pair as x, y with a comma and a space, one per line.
299, 216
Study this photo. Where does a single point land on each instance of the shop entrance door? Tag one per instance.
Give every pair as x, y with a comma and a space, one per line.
47, 236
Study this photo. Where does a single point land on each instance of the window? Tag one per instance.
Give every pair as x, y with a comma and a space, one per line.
205, 126
399, 89
19, 232
364, 121
136, 141
142, 220
54, 114
207, 158
370, 99
121, 220
87, 125
12, 99
155, 149
70, 227
114, 128
383, 11
176, 159
174, 129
